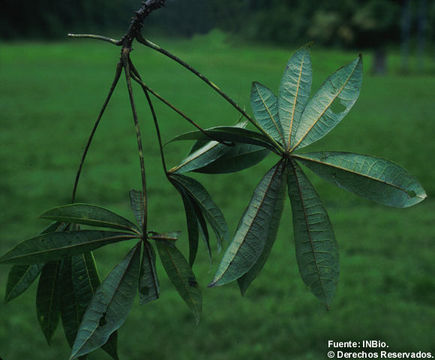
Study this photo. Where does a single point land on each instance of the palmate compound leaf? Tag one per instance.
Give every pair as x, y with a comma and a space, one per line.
181, 276
316, 248
48, 298
367, 176
22, 276
253, 230
79, 283
109, 306
265, 107
54, 246
204, 203
86, 214
320, 116
294, 92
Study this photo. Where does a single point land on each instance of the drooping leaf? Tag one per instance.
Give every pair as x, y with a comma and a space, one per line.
54, 246
22, 276
110, 305
89, 215
319, 117
192, 228
370, 177
148, 281
137, 205
203, 200
254, 228
48, 299
229, 134
294, 92
252, 274
79, 284
181, 275
316, 248
265, 108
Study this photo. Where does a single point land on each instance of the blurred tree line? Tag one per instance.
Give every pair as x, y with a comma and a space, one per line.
346, 23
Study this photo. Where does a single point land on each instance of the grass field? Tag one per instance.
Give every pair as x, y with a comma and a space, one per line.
49, 97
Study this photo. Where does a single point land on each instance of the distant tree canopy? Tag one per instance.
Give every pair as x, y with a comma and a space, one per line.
345, 23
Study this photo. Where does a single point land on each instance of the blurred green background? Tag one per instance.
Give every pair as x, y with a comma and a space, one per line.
50, 94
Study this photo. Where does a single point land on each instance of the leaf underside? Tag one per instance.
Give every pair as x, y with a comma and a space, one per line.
316, 248
253, 230
181, 276
367, 176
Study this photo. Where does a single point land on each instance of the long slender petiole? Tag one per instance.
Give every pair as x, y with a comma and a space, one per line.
96, 37
179, 112
156, 47
94, 129
127, 70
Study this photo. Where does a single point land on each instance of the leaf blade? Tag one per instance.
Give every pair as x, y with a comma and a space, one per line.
54, 246
110, 305
367, 176
316, 247
89, 215
137, 205
318, 119
181, 276
148, 281
248, 242
265, 108
294, 91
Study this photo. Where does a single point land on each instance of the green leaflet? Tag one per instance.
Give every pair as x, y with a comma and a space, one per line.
265, 107
79, 284
203, 200
47, 299
192, 228
22, 276
181, 275
89, 215
294, 92
54, 246
316, 248
110, 305
252, 274
229, 134
148, 281
254, 228
137, 205
373, 178
319, 117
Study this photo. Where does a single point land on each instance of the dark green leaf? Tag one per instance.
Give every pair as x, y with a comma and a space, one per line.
148, 283
341, 88
192, 228
251, 275
204, 202
181, 275
20, 278
238, 157
373, 178
137, 205
265, 107
294, 92
229, 134
110, 305
89, 215
254, 228
79, 284
48, 298
316, 248
54, 246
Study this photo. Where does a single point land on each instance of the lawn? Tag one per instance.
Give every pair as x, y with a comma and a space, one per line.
49, 97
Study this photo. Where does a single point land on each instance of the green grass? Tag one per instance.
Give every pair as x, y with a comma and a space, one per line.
49, 97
